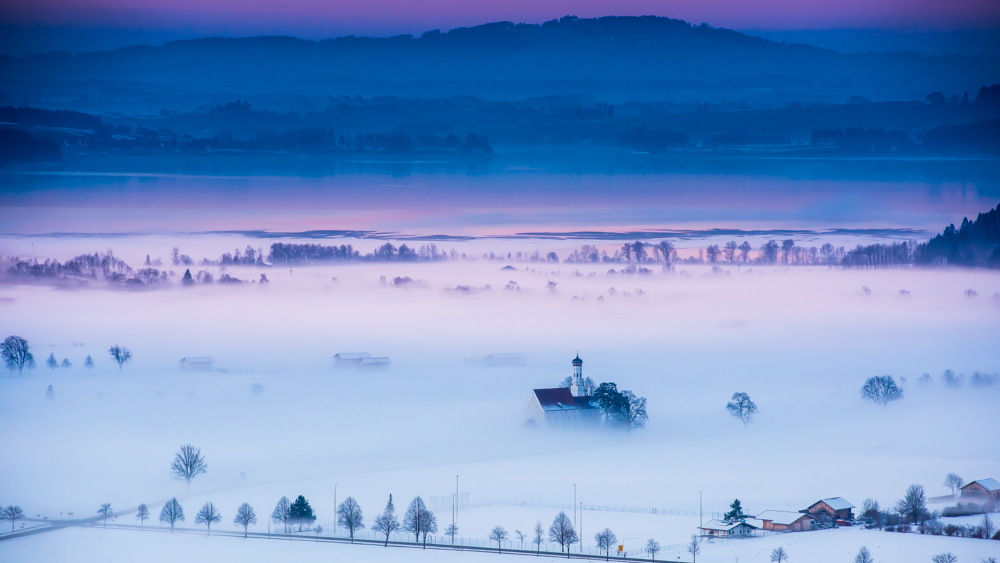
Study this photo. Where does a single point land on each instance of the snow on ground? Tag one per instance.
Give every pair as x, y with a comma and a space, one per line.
799, 341
97, 545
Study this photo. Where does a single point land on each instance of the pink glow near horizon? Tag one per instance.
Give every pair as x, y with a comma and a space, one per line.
325, 18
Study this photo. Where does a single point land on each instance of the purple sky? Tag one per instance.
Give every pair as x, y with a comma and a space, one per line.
324, 18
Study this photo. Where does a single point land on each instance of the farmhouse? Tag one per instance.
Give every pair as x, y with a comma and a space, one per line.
783, 521
724, 529
561, 406
197, 363
836, 508
981, 489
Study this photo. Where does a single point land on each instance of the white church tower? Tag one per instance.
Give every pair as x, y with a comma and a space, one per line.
577, 384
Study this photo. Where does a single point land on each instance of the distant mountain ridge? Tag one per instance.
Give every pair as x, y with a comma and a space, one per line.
612, 58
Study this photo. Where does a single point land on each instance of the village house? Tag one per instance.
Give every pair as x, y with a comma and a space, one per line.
197, 363
982, 489
784, 521
561, 406
837, 508
724, 529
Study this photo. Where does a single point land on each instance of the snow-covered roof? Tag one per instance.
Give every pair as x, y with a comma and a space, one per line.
990, 484
197, 360
556, 399
836, 503
369, 361
352, 355
781, 516
723, 526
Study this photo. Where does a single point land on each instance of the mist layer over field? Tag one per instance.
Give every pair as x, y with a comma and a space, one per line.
800, 341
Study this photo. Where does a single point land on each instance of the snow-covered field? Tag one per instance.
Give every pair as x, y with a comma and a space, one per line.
800, 341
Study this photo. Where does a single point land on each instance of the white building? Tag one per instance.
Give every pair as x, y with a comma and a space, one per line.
724, 529
197, 363
561, 406
360, 360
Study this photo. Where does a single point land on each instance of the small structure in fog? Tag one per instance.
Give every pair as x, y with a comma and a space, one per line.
360, 359
505, 360
197, 363
784, 521
725, 529
562, 406
982, 489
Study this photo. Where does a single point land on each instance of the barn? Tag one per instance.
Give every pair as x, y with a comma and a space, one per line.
982, 489
783, 521
836, 508
724, 529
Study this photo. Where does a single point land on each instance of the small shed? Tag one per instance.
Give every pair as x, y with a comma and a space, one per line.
836, 508
374, 362
349, 358
726, 529
982, 489
785, 521
197, 363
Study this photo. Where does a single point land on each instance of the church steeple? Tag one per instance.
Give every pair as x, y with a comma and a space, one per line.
577, 382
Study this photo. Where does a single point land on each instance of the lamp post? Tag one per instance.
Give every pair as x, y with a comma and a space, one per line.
700, 523
334, 510
574, 505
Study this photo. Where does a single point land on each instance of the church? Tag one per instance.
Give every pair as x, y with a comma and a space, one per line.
562, 407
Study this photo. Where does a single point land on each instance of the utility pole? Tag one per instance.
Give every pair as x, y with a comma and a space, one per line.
581, 526
574, 506
334, 510
700, 523
454, 518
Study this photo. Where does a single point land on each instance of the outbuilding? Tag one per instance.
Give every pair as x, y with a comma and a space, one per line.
836, 508
197, 363
784, 521
982, 489
726, 529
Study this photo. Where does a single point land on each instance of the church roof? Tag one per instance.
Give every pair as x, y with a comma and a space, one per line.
560, 399
577, 361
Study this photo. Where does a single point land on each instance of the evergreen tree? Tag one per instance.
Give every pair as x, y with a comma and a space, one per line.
300, 512
736, 513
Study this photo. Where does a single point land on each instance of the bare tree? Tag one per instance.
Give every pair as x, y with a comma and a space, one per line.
418, 519
786, 247
745, 249
12, 513
945, 558
871, 511
713, 253
498, 534
520, 538
605, 539
539, 536
120, 354
988, 527
953, 482
349, 516
66, 364
666, 249
208, 515
864, 556
188, 463
172, 513
778, 555
561, 531
881, 390
742, 407
142, 513
88, 363
387, 523
693, 548
105, 512
282, 512
451, 531
652, 548
913, 506
14, 351
244, 517
729, 251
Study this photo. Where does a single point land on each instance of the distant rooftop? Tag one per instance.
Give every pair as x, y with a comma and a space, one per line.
990, 484
197, 360
836, 503
352, 355
724, 526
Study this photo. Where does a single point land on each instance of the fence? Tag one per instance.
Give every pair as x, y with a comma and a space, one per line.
403, 540
598, 507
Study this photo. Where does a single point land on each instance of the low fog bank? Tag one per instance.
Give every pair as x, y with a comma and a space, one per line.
800, 341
